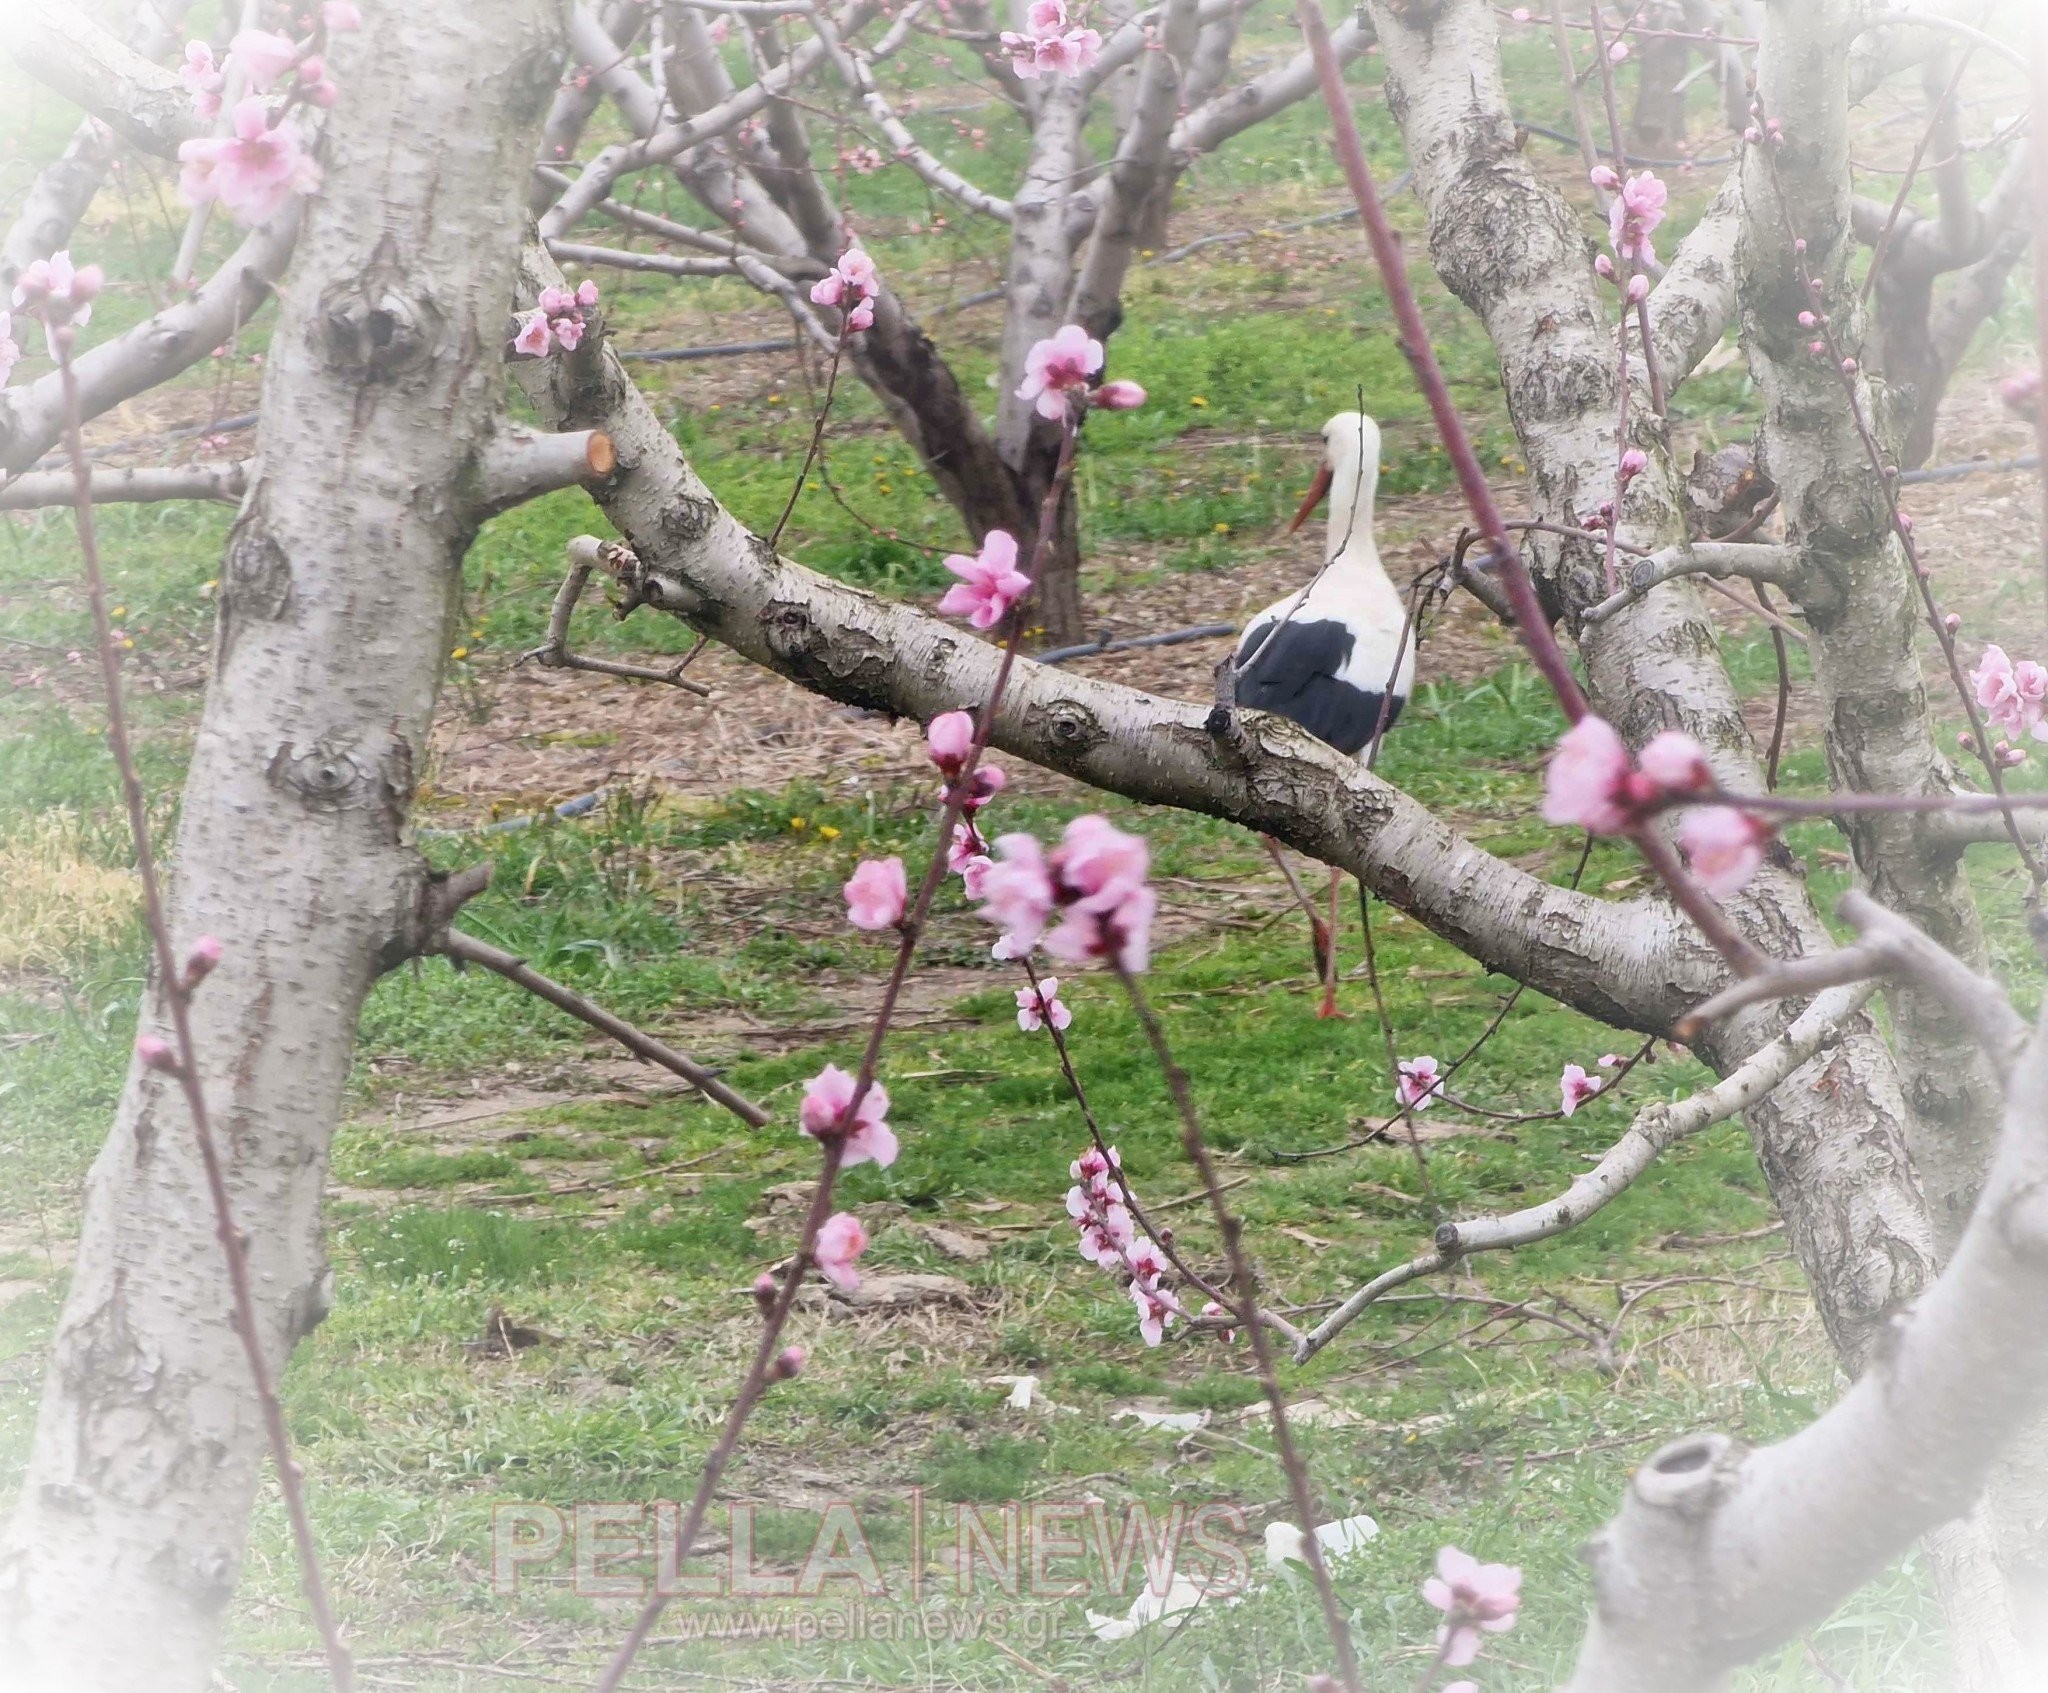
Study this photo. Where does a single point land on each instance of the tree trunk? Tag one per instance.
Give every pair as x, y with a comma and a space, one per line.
339, 584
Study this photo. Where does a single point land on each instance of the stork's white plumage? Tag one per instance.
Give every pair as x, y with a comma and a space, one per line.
1328, 655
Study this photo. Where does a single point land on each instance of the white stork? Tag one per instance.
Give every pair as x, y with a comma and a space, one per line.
1326, 655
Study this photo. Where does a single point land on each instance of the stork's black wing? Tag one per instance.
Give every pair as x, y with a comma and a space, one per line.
1296, 675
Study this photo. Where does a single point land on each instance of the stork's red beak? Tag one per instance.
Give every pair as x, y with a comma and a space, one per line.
1318, 491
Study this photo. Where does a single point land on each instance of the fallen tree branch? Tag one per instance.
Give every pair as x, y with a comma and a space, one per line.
1656, 1128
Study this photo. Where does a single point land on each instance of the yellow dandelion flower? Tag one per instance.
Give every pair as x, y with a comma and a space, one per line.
799, 823
460, 652
1196, 400
1223, 529
827, 833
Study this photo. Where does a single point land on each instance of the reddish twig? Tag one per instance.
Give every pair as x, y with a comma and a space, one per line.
1245, 1283
1508, 564
762, 1370
1846, 370
1884, 236
177, 989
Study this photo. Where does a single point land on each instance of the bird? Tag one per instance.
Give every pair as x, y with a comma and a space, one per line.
1336, 656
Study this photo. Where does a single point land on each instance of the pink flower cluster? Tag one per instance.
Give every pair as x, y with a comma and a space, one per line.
1632, 218
1473, 1596
862, 161
1110, 1239
826, 1115
1057, 373
990, 582
253, 171
1593, 783
59, 293
1095, 876
2014, 697
851, 284
949, 738
558, 318
1052, 43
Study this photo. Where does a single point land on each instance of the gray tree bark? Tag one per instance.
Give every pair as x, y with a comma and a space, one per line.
338, 587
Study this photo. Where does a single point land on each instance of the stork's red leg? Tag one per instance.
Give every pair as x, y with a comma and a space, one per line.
1321, 948
1329, 1006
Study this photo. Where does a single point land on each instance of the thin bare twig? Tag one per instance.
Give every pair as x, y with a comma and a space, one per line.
177, 997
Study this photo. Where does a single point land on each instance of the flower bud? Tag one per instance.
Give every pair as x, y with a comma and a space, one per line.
1952, 623
1117, 396
2021, 393
765, 1290
156, 1053
1752, 135
1816, 346
1905, 523
1799, 244
789, 1362
1638, 288
1603, 176
1848, 367
1633, 463
86, 285
1807, 320
199, 962
1603, 267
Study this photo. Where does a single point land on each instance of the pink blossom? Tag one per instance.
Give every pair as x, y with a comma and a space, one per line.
1724, 845
1068, 54
850, 284
2021, 392
1608, 1060
1154, 1312
1472, 1596
966, 843
252, 172
1418, 1082
1101, 864
1587, 782
1576, 1087
1604, 178
533, 338
1039, 1006
990, 582
1676, 763
948, 737
1117, 396
262, 56
202, 79
1046, 17
10, 349
1617, 52
840, 1242
2013, 696
827, 1095
1018, 890
58, 291
1634, 215
568, 331
1058, 366
876, 894
340, 16
863, 161
1123, 934
586, 294
1211, 1309
555, 301
1635, 461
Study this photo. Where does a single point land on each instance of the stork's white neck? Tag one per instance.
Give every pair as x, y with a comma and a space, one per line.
1354, 479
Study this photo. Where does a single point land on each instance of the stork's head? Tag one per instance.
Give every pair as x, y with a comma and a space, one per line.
1351, 464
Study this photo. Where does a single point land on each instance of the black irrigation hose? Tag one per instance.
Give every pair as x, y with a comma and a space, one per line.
1971, 467
1626, 158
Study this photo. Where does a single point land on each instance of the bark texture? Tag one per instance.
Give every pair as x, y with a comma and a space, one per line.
337, 591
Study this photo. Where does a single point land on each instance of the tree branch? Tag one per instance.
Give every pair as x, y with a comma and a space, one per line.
1693, 306
62, 48
516, 464
1754, 561
120, 487
156, 349
1656, 1128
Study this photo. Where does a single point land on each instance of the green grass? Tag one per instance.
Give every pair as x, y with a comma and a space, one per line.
620, 1229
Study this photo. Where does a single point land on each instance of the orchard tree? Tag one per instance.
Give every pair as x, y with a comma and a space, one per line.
384, 167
